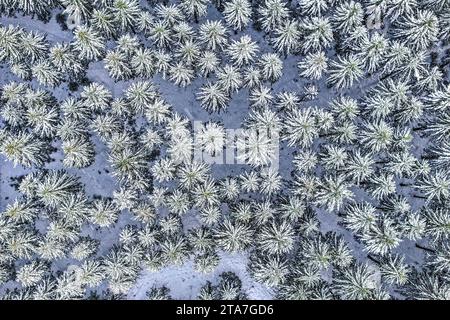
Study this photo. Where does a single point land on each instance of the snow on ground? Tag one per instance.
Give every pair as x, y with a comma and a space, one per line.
185, 283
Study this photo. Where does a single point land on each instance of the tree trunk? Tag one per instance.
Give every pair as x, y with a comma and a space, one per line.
425, 248
373, 259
